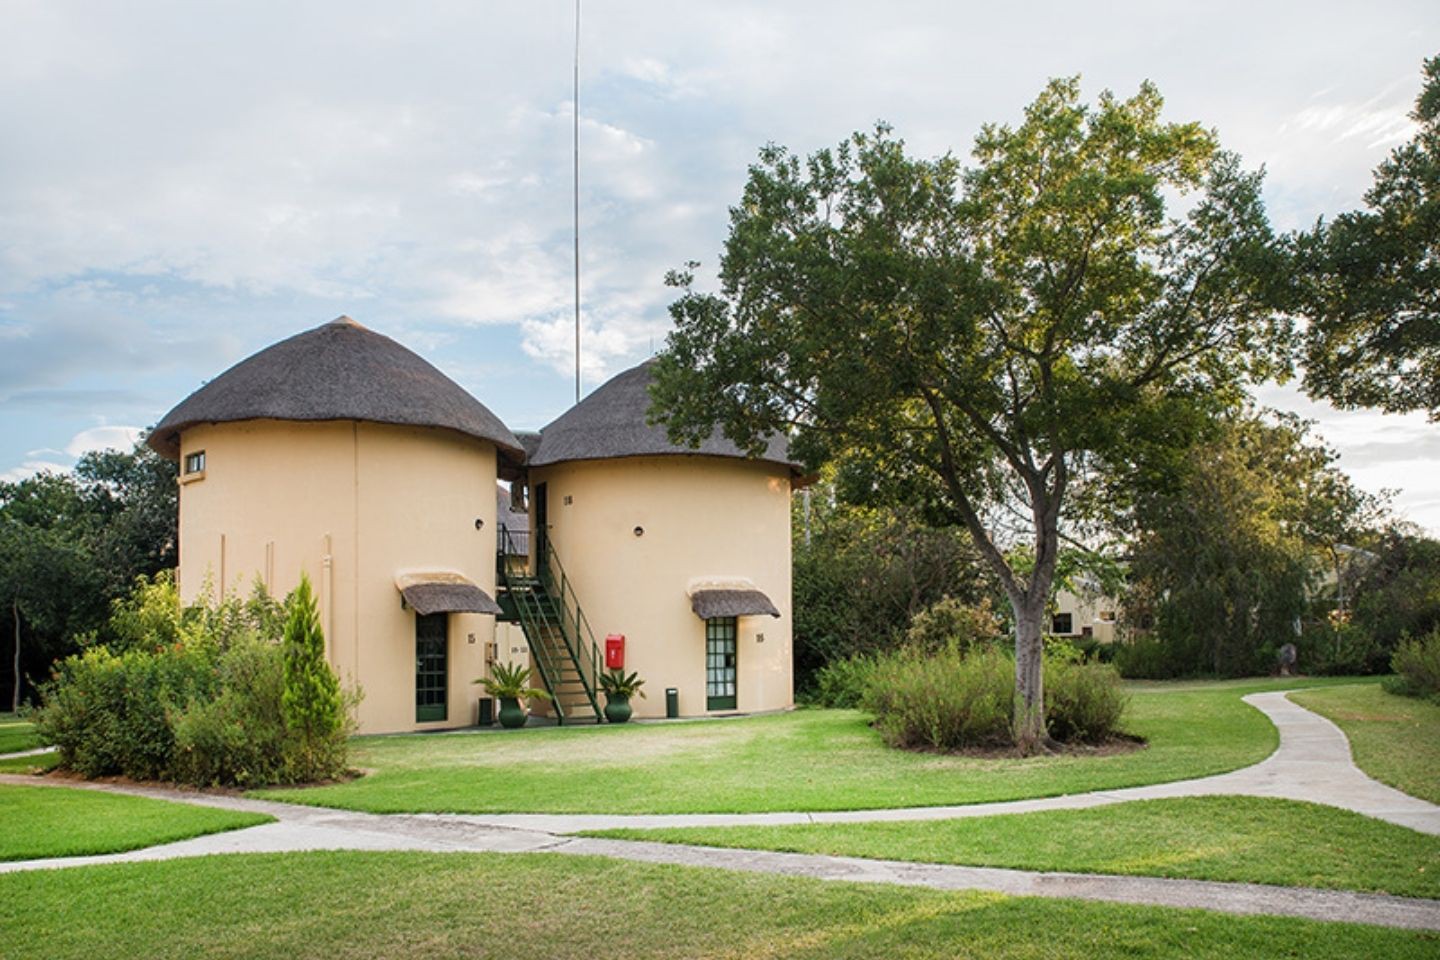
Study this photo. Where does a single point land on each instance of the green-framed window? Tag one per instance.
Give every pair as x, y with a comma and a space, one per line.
432, 642
720, 663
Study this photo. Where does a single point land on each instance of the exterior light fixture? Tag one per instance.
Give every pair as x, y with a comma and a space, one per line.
639, 531
479, 523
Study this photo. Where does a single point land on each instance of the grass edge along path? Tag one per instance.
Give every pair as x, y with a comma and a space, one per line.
807, 760
1394, 739
381, 905
1231, 839
44, 822
16, 734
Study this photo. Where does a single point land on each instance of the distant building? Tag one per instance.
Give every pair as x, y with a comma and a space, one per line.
1086, 614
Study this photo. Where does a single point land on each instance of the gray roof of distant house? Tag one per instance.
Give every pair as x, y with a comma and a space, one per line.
337, 371
612, 422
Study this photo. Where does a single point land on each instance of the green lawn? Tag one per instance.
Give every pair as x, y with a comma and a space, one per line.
16, 735
1394, 739
1241, 839
31, 764
806, 760
374, 906
58, 822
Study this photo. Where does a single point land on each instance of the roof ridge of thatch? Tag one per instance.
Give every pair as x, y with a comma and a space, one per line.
612, 422
340, 370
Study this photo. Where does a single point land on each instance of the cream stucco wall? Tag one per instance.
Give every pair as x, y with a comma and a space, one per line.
351, 504
1096, 612
703, 517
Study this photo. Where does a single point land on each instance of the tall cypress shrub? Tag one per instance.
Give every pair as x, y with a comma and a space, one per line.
313, 708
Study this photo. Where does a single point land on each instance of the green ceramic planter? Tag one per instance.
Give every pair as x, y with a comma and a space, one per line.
617, 709
512, 715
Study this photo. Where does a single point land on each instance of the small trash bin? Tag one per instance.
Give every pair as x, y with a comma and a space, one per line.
672, 703
487, 712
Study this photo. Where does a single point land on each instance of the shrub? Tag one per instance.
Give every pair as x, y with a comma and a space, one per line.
1083, 701
1144, 656
110, 713
842, 683
950, 700
1340, 649
311, 703
951, 621
1417, 667
960, 699
239, 737
200, 695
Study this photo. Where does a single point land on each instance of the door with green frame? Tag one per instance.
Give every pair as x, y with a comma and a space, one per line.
720, 663
432, 636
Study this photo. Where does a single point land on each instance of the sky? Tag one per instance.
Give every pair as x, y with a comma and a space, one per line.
182, 184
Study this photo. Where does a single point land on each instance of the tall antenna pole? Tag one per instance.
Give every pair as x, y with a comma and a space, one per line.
576, 140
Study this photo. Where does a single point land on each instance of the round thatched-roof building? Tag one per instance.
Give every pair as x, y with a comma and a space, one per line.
341, 454
683, 551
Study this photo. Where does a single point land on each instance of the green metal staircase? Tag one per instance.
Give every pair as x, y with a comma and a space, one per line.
544, 604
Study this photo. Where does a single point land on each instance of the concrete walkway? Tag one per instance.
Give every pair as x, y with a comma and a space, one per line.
1312, 763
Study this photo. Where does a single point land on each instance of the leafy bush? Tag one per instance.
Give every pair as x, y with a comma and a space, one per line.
110, 713
842, 683
1417, 667
1341, 649
239, 737
1083, 701
961, 699
947, 701
950, 620
198, 695
1145, 656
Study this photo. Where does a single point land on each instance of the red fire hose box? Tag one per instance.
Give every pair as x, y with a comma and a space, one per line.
615, 652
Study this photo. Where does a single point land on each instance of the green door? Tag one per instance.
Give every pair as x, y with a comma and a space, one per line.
720, 663
431, 666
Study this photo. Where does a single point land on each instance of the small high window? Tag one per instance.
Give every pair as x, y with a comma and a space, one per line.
195, 462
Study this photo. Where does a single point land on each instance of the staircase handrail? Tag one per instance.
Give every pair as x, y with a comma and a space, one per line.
581, 640
531, 619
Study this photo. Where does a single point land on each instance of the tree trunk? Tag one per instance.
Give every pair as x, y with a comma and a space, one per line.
1339, 581
1031, 735
15, 610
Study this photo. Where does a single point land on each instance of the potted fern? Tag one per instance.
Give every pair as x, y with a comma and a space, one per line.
619, 687
508, 683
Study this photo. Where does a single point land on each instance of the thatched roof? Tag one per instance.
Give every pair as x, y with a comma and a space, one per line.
611, 422
338, 371
444, 592
709, 604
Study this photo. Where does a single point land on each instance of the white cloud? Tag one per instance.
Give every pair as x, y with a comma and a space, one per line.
30, 468
102, 438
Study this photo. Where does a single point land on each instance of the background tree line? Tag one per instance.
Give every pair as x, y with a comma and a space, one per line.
70, 545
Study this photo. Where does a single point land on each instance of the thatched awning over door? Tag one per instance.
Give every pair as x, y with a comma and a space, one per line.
729, 598
444, 592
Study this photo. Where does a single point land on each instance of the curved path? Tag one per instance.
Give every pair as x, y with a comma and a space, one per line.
1312, 763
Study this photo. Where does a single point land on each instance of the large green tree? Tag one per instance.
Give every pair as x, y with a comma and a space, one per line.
1371, 281
978, 336
1225, 558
